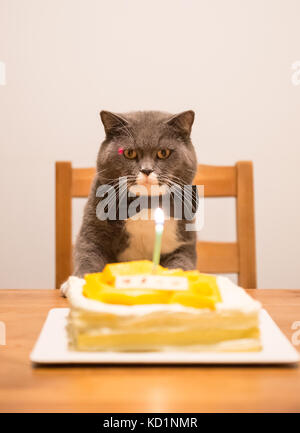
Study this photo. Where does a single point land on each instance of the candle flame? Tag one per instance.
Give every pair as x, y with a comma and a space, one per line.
159, 216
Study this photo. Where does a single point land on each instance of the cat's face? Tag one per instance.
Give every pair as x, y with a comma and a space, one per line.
149, 148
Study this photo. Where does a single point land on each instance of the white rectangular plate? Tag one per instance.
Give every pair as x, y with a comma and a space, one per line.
52, 348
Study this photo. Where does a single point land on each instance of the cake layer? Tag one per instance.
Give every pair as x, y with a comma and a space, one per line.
152, 341
94, 325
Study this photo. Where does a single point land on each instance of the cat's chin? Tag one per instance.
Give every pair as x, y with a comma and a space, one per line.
150, 190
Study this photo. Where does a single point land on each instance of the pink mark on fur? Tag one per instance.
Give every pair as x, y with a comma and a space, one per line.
120, 151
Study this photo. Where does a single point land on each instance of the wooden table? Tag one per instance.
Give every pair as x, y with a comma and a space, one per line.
137, 389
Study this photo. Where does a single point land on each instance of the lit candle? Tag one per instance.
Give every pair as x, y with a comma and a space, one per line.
159, 218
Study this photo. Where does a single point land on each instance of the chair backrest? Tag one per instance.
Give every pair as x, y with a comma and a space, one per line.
213, 257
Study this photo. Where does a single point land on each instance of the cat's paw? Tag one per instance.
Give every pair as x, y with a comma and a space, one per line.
64, 289
70, 282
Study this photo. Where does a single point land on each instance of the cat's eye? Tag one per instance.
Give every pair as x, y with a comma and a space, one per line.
163, 153
130, 153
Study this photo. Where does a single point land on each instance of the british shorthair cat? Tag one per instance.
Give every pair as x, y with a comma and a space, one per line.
148, 148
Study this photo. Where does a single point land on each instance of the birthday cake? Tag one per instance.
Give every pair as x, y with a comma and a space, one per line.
128, 308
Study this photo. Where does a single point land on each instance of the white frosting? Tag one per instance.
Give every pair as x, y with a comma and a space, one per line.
234, 299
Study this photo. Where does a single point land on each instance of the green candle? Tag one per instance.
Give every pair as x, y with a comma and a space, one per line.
159, 228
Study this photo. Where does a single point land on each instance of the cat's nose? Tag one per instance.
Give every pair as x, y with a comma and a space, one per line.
146, 171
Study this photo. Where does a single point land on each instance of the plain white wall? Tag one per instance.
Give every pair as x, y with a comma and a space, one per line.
229, 60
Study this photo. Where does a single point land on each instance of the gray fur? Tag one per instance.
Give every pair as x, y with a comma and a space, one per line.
100, 242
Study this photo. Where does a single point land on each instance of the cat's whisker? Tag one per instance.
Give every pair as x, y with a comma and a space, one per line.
116, 181
186, 191
119, 189
179, 196
114, 197
181, 200
171, 176
178, 180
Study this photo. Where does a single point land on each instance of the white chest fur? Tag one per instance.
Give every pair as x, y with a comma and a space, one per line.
141, 238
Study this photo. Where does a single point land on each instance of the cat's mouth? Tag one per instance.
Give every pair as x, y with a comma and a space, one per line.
148, 185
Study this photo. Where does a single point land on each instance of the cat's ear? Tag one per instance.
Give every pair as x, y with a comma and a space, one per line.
112, 122
183, 122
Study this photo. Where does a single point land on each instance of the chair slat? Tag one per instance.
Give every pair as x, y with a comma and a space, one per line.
217, 181
81, 181
63, 221
245, 225
217, 257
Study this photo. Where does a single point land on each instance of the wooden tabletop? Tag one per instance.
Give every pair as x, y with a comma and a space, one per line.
137, 389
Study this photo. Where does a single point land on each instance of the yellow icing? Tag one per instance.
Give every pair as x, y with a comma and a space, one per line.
203, 290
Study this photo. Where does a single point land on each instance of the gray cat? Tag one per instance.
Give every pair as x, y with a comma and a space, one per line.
149, 148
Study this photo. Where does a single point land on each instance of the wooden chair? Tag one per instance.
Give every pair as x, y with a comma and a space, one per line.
213, 257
